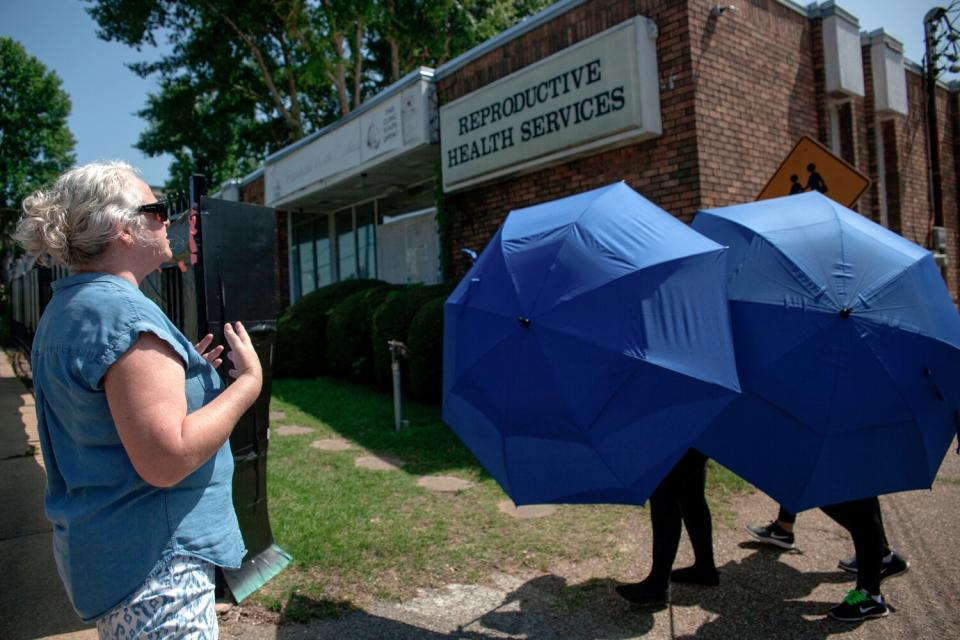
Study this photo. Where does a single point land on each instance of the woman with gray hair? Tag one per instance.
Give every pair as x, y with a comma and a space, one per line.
133, 418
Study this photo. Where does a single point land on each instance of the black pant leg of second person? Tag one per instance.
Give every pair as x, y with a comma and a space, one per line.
862, 519
665, 518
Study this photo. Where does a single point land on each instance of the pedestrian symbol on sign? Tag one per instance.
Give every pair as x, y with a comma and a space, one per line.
815, 182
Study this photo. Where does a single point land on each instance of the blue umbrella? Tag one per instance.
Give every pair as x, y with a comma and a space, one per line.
587, 348
847, 349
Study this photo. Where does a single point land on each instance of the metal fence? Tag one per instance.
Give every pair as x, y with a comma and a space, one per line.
30, 291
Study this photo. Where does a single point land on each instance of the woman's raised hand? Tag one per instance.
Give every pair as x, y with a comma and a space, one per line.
242, 354
212, 356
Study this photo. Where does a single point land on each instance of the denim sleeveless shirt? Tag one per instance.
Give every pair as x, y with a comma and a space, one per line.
110, 528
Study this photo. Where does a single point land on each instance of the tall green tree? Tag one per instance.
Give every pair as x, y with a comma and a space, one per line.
35, 143
412, 33
244, 78
237, 83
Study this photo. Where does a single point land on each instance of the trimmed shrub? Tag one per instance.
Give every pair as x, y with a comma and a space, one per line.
425, 341
349, 342
392, 320
301, 346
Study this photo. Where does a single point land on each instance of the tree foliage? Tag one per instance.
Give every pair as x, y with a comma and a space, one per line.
244, 78
35, 143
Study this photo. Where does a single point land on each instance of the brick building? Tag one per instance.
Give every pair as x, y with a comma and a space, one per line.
736, 89
693, 104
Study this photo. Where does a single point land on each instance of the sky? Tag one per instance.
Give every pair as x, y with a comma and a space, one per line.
106, 95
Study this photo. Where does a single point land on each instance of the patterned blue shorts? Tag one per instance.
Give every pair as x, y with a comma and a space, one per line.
176, 602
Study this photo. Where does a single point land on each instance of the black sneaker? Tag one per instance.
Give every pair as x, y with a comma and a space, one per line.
772, 534
858, 606
644, 593
893, 565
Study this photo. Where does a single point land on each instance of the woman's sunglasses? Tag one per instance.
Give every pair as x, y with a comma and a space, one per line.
163, 209
159, 209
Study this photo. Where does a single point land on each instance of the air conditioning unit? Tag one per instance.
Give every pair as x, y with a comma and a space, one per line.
939, 240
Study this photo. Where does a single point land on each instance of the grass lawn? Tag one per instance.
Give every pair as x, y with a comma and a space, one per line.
357, 534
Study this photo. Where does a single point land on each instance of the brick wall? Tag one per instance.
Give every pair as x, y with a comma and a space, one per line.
664, 169
909, 182
736, 91
947, 120
756, 94
914, 180
252, 192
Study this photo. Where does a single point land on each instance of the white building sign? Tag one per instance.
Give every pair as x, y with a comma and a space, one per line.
380, 130
601, 92
388, 129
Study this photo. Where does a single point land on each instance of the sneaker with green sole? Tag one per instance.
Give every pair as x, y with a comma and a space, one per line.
858, 606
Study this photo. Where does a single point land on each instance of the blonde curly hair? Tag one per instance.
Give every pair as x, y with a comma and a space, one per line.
72, 221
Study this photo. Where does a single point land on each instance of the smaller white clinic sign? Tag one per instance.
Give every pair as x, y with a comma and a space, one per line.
602, 92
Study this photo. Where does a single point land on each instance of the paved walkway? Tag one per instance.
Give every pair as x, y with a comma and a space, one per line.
764, 594
33, 603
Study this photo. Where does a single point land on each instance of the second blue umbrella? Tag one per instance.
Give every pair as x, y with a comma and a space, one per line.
848, 350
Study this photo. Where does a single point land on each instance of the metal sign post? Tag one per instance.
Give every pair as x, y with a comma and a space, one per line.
397, 350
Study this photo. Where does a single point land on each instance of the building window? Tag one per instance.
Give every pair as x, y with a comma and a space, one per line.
304, 280
346, 244
891, 176
833, 116
366, 219
318, 258
321, 247
310, 254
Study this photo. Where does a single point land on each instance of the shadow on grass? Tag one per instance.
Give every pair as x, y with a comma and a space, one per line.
365, 417
300, 608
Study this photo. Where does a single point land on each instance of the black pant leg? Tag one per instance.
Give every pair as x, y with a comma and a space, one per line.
665, 518
695, 510
862, 519
883, 532
786, 516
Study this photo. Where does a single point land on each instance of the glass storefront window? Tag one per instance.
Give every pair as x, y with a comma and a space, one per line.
332, 247
323, 252
304, 259
366, 240
346, 244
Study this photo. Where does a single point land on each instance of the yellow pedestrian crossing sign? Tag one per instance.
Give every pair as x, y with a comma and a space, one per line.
811, 167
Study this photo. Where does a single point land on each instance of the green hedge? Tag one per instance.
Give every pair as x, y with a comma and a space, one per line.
391, 321
425, 342
302, 329
349, 341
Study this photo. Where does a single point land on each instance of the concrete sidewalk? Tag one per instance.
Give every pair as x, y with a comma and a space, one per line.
764, 593
33, 603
